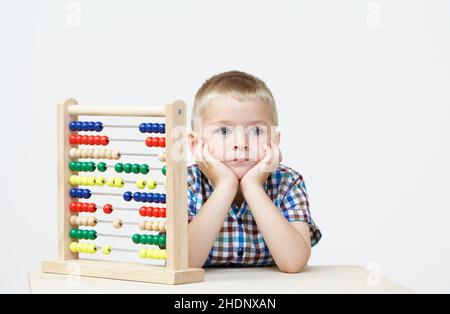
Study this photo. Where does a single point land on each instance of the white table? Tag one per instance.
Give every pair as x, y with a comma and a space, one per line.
313, 279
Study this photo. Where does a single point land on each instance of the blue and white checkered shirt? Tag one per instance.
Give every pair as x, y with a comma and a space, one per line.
239, 242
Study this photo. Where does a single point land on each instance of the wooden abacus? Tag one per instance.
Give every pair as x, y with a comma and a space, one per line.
174, 230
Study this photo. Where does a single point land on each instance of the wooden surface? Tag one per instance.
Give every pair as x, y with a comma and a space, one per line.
314, 279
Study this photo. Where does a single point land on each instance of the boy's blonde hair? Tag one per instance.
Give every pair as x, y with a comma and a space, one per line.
239, 85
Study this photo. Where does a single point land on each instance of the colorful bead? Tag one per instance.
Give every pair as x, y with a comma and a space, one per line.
144, 169
136, 238
142, 211
119, 182
135, 168
110, 182
162, 142
98, 126
101, 166
107, 209
100, 181
92, 221
162, 157
149, 211
140, 184
152, 184
162, 212
106, 249
73, 247
128, 196
127, 168
118, 167
73, 220
115, 154
164, 170
117, 223
73, 180
144, 238
143, 253
141, 225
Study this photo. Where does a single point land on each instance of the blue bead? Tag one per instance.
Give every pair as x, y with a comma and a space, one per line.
142, 127
86, 193
127, 196
73, 126
84, 126
137, 196
78, 125
155, 128
146, 197
162, 128
156, 198
79, 193
91, 126
148, 127
98, 126
162, 198
73, 193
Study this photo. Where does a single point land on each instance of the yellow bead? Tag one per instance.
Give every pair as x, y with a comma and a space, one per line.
91, 249
143, 253
84, 181
152, 184
73, 180
106, 249
118, 182
100, 181
91, 181
150, 253
140, 184
110, 182
163, 255
74, 247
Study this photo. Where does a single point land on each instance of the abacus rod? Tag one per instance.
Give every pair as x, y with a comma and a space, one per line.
106, 194
108, 235
123, 222
120, 126
134, 182
120, 250
138, 154
124, 111
126, 140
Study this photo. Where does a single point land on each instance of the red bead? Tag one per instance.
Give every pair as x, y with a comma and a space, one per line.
73, 139
107, 209
162, 212
104, 140
79, 207
73, 206
92, 208
91, 140
85, 207
154, 141
162, 142
96, 140
149, 211
85, 139
156, 212
142, 211
148, 142
79, 139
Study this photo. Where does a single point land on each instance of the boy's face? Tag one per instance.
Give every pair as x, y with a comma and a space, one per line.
235, 132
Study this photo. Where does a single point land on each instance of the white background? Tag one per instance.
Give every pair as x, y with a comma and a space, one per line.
363, 93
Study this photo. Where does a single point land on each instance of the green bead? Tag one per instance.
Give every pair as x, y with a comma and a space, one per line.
91, 166
84, 166
136, 238
144, 239
151, 239
127, 168
164, 170
85, 234
162, 242
73, 166
92, 234
118, 167
101, 166
77, 166
73, 233
144, 168
79, 233
135, 168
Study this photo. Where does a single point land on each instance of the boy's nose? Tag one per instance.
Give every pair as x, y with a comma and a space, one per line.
244, 147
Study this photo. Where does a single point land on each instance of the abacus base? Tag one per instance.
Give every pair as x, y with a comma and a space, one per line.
123, 271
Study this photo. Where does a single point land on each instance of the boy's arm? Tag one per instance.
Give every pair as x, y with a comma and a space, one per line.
205, 227
289, 243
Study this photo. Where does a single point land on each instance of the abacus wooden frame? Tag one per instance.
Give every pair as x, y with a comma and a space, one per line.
176, 270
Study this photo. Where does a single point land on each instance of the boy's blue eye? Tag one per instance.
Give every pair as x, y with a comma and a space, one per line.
223, 131
256, 131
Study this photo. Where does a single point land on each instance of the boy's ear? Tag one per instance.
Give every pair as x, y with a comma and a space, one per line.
191, 140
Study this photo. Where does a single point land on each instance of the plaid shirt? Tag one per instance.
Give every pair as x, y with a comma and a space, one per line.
240, 242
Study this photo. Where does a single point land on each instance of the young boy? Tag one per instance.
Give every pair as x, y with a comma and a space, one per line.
245, 208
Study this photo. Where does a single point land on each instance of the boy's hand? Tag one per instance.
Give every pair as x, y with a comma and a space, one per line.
261, 171
214, 169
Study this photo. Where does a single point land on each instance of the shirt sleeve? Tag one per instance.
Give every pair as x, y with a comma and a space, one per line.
295, 207
193, 190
